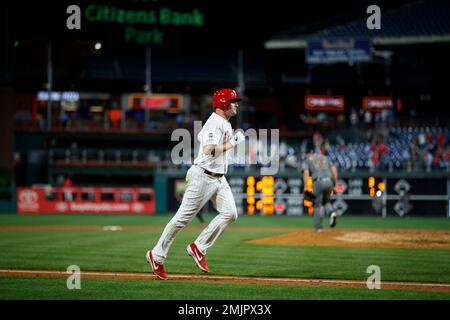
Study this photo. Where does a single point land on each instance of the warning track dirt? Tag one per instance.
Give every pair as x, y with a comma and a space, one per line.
222, 279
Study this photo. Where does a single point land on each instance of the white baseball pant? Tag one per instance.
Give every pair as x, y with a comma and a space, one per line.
200, 188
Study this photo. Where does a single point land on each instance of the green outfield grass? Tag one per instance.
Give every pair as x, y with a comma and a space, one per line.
41, 288
254, 221
124, 251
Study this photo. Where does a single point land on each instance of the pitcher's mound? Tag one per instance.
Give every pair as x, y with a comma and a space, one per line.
375, 238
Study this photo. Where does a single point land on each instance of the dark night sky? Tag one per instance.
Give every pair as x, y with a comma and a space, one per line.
229, 25
242, 23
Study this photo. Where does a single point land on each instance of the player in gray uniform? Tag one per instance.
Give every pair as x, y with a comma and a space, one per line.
324, 175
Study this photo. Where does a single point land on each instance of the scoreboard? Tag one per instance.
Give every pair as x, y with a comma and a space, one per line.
272, 195
267, 195
357, 195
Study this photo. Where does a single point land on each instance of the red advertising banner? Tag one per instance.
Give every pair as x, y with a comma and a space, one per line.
378, 103
324, 103
39, 200
156, 101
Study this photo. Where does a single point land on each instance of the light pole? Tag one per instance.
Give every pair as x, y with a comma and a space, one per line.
49, 85
148, 82
241, 85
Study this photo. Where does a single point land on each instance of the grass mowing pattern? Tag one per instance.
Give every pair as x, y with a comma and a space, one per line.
125, 250
91, 289
242, 221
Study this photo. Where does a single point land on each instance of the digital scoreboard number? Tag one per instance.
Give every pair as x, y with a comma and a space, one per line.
283, 195
267, 195
265, 200
271, 195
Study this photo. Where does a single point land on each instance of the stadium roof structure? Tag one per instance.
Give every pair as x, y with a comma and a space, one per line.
414, 23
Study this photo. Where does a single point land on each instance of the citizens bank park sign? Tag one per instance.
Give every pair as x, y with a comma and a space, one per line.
144, 25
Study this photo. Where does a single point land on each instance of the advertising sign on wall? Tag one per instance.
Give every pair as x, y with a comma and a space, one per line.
338, 50
324, 103
41, 200
378, 103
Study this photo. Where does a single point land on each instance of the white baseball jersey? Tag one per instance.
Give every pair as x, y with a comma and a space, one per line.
216, 130
201, 188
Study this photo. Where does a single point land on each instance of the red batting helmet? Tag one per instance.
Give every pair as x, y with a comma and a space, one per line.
223, 97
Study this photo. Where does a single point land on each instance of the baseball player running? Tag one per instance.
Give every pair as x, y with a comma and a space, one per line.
324, 175
205, 181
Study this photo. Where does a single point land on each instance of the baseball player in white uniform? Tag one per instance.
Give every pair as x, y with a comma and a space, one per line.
205, 181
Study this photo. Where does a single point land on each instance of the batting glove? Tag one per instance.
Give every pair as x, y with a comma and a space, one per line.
237, 138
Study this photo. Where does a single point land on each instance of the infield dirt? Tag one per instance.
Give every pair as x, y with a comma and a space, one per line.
219, 279
372, 238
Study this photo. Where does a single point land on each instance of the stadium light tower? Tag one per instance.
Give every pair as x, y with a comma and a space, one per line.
387, 56
148, 81
49, 85
241, 85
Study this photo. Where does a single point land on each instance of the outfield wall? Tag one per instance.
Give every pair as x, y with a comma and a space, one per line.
374, 194
361, 193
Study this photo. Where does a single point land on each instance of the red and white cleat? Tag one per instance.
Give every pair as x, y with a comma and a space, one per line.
158, 269
198, 257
